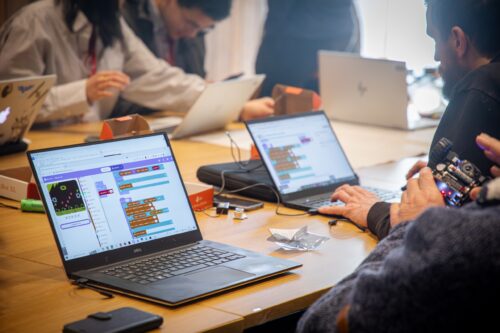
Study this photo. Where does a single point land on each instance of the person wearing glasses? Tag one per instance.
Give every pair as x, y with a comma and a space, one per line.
97, 59
175, 30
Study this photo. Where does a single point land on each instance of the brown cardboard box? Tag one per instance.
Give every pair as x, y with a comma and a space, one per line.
290, 100
130, 125
18, 184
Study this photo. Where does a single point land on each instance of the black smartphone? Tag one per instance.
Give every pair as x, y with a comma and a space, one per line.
235, 202
122, 320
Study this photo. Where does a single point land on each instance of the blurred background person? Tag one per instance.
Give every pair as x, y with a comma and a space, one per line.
174, 30
294, 32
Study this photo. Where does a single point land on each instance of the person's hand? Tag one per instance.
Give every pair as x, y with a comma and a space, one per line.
105, 84
421, 193
491, 147
416, 168
257, 108
358, 202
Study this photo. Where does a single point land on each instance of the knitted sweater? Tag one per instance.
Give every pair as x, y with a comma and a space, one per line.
439, 273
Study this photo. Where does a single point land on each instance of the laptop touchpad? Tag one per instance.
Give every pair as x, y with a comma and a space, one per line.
218, 276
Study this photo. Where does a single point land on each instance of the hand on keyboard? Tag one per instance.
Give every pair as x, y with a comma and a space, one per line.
358, 202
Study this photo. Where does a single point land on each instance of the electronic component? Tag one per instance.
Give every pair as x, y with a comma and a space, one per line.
222, 208
454, 177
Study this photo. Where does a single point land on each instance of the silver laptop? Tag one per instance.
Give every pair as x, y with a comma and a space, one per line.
372, 91
20, 101
122, 221
305, 159
219, 104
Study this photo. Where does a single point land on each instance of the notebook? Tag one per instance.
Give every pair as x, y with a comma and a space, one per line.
219, 104
305, 159
20, 101
122, 220
375, 92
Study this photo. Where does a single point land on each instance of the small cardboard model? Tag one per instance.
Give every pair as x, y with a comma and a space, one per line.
18, 184
290, 100
130, 125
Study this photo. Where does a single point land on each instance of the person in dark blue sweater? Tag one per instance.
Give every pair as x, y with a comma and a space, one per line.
437, 273
468, 47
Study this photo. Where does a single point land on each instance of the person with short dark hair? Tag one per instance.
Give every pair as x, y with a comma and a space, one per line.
175, 30
466, 33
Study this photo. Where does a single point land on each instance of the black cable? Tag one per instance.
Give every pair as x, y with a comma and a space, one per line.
243, 169
233, 144
82, 283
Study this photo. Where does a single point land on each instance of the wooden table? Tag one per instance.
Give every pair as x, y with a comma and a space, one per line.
36, 296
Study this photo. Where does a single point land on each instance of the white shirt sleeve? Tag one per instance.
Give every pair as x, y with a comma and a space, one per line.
154, 83
22, 55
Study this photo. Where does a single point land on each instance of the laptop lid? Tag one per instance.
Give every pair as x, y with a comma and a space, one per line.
20, 101
363, 90
113, 200
302, 154
219, 104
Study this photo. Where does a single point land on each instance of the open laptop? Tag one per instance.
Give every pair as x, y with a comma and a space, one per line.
20, 101
305, 160
219, 104
122, 221
373, 92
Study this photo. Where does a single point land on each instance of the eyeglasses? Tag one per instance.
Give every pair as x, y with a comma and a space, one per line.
193, 25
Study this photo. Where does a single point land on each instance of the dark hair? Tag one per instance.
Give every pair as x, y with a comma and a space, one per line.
103, 14
479, 19
215, 9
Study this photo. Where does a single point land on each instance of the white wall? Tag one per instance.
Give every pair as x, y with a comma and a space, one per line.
393, 29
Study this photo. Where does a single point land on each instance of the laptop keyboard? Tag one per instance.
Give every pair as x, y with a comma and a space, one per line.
167, 265
384, 195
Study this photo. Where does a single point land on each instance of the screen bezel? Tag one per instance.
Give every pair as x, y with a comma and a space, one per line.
307, 192
123, 253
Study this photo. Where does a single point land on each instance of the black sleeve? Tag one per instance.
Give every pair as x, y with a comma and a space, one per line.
468, 115
379, 219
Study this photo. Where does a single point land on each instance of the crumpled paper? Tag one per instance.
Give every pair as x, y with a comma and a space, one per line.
296, 239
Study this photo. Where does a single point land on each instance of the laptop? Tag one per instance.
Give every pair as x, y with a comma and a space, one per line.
219, 104
122, 222
20, 101
305, 159
374, 92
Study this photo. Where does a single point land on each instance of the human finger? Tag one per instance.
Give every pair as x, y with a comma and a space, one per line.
475, 193
412, 188
495, 171
426, 179
333, 210
488, 143
103, 94
341, 196
116, 74
110, 84
415, 168
114, 78
404, 197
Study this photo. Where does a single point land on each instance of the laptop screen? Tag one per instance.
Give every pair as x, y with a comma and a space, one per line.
301, 152
109, 195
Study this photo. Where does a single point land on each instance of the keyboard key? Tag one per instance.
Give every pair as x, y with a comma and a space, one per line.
189, 269
150, 270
